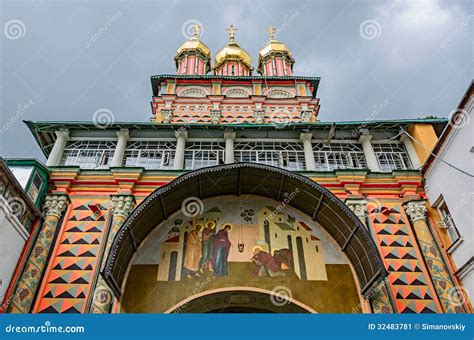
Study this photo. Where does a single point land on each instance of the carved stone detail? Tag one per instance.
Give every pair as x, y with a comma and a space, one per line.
306, 116
55, 205
167, 115
215, 116
416, 210
359, 208
122, 205
259, 116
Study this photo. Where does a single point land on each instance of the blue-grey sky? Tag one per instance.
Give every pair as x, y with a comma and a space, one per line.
64, 60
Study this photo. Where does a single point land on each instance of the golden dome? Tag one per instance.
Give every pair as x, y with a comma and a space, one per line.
232, 51
194, 44
276, 46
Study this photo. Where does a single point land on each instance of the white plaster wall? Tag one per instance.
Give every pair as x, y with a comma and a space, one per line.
457, 188
12, 239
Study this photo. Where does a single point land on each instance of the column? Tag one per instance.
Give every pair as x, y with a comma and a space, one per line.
229, 137
62, 137
415, 162
181, 137
305, 138
448, 293
359, 208
25, 291
103, 297
379, 297
122, 139
369, 153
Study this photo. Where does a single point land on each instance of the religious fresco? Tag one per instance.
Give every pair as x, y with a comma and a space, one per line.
276, 241
255, 244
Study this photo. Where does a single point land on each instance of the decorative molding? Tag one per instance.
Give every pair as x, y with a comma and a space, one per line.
167, 115
306, 115
259, 116
193, 92
215, 116
280, 94
237, 93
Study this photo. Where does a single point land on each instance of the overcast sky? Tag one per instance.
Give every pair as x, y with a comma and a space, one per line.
64, 60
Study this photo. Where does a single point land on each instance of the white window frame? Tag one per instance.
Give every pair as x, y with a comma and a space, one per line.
448, 224
89, 154
287, 155
150, 154
392, 156
339, 155
200, 154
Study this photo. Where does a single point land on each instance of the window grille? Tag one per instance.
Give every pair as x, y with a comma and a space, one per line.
338, 155
201, 154
392, 156
288, 155
150, 154
89, 154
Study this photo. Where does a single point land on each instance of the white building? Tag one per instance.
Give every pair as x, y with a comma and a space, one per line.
18, 215
451, 190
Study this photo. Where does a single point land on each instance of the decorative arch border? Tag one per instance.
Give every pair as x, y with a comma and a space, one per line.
248, 178
235, 89
289, 93
200, 91
238, 289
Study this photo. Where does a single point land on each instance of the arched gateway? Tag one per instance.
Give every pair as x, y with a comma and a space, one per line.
242, 225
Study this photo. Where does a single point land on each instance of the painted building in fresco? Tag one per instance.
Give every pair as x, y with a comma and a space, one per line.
234, 197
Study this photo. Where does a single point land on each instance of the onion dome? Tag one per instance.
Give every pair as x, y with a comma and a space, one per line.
193, 57
233, 60
275, 58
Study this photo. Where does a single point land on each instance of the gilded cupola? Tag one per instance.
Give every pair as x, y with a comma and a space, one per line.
233, 60
275, 58
193, 57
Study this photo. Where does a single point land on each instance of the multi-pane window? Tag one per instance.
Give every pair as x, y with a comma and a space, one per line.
201, 154
150, 154
288, 155
338, 156
392, 156
448, 222
89, 154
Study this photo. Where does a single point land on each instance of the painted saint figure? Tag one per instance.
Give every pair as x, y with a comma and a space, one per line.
207, 247
221, 251
265, 264
192, 253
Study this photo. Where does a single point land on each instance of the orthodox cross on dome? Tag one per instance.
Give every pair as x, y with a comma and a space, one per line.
271, 32
196, 28
231, 30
